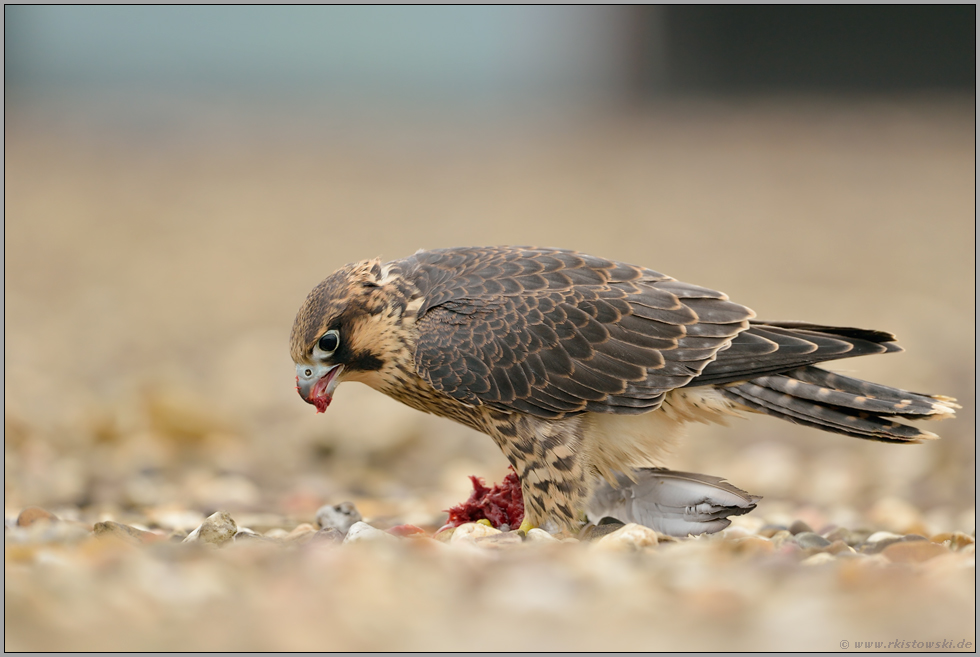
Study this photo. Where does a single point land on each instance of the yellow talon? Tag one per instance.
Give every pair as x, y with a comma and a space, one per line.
525, 525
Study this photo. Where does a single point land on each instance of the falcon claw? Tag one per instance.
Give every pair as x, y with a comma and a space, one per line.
525, 525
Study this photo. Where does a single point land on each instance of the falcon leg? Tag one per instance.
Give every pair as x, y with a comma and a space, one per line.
548, 461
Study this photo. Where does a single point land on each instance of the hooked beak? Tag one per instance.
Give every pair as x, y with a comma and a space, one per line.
316, 383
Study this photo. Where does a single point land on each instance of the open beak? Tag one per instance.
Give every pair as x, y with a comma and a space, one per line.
316, 383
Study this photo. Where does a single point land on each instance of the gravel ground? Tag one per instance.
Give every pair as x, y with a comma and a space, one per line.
153, 263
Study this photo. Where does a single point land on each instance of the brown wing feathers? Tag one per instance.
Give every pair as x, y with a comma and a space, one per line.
770, 347
553, 333
557, 332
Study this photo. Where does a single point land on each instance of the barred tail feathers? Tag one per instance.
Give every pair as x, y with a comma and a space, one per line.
832, 402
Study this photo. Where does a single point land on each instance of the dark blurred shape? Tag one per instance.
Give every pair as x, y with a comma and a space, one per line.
832, 48
504, 55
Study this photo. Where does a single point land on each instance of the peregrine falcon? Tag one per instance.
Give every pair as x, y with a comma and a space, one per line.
581, 369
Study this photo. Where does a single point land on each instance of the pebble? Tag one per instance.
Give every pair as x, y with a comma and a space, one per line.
818, 559
246, 534
277, 533
130, 534
32, 514
752, 545
884, 539
913, 551
735, 532
881, 536
48, 532
605, 527
501, 540
536, 535
789, 549
768, 531
443, 535
361, 531
810, 540
627, 537
955, 540
216, 530
330, 535
406, 530
850, 536
798, 527
338, 516
839, 547
471, 531
961, 541
301, 533
781, 537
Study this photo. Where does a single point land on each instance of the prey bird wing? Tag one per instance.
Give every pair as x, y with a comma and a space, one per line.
553, 333
671, 502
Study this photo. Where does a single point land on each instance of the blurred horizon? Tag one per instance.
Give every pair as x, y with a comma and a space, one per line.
485, 55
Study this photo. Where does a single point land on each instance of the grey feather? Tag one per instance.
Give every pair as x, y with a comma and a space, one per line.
671, 502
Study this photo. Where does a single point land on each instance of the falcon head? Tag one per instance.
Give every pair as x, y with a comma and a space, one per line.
346, 330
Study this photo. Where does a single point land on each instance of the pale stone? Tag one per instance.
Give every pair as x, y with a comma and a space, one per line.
536, 535
361, 531
819, 559
276, 533
839, 547
302, 532
629, 537
33, 514
444, 534
913, 551
501, 540
125, 532
781, 537
327, 536
960, 541
471, 531
768, 531
216, 530
751, 545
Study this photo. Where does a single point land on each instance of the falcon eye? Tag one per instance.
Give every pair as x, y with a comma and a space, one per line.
329, 342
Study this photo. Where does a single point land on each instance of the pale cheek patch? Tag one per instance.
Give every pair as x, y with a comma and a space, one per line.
377, 334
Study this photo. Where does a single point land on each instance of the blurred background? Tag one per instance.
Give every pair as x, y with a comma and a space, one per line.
178, 178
